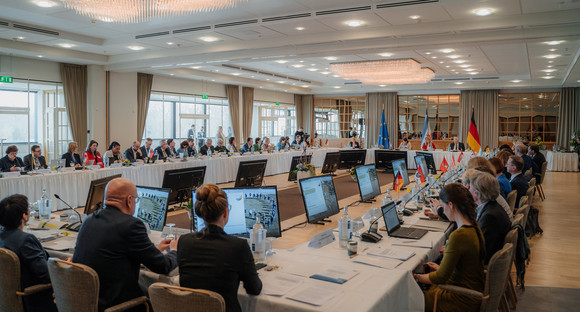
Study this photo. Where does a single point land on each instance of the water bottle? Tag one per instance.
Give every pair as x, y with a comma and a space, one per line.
374, 224
252, 149
388, 197
344, 228
258, 241
44, 206
390, 145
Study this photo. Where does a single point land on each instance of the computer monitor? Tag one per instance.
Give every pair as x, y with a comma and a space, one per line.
251, 173
96, 195
430, 161
295, 161
384, 159
368, 182
244, 204
319, 197
152, 206
352, 158
331, 161
182, 182
400, 166
420, 161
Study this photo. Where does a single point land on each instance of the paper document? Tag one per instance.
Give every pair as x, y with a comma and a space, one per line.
336, 274
385, 263
421, 243
60, 244
280, 284
393, 253
431, 225
316, 294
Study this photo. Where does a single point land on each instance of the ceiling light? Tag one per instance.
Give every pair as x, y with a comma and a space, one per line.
447, 66
473, 73
551, 56
548, 77
66, 45
44, 3
403, 71
464, 65
548, 70
555, 42
281, 81
454, 56
300, 61
325, 73
39, 56
386, 54
312, 64
483, 11
446, 50
20, 38
550, 62
469, 69
382, 85
196, 67
331, 58
459, 61
336, 87
354, 23
516, 81
549, 66
453, 70
428, 53
552, 50
299, 28
298, 65
208, 38
459, 82
268, 79
236, 74
133, 11
441, 62
433, 57
415, 17
312, 69
336, 76
171, 74
305, 86
170, 43
136, 48
281, 61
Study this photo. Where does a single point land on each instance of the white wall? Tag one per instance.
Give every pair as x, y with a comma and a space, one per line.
187, 86
273, 96
123, 109
96, 102
30, 68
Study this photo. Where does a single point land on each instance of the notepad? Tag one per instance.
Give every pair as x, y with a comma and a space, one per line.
280, 284
380, 262
393, 253
316, 294
335, 274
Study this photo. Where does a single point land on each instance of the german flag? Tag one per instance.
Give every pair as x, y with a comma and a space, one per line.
473, 136
399, 182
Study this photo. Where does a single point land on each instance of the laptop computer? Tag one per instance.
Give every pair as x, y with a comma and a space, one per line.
393, 226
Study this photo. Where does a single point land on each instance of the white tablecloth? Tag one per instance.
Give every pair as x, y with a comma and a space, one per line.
562, 161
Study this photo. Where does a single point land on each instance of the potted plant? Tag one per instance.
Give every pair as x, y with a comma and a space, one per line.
540, 143
352, 173
305, 170
575, 141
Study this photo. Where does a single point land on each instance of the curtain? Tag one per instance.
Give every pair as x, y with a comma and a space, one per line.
233, 93
299, 110
374, 105
568, 116
248, 109
74, 85
144, 85
305, 112
485, 105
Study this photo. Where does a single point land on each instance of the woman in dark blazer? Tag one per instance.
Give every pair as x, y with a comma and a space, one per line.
213, 260
72, 157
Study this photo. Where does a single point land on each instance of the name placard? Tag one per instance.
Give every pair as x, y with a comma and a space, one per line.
322, 239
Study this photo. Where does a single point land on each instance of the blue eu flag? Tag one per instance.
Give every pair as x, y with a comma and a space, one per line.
383, 132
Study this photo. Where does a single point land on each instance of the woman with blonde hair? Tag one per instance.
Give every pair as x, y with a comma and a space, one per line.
72, 157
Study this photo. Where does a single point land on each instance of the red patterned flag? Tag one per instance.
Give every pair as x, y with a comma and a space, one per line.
444, 165
399, 182
452, 160
460, 158
421, 175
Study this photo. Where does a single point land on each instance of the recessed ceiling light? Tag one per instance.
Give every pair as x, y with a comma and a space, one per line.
433, 57
252, 76
300, 28
331, 58
382, 85
44, 3
40, 56
516, 81
196, 67
336, 76
66, 45
548, 77
447, 66
459, 61
298, 65
236, 74
214, 81
170, 43
548, 70
551, 56
386, 54
325, 73
300, 61
483, 11
473, 73
268, 79
20, 38
171, 74
464, 65
441, 62
577, 80
208, 38
281, 81
415, 17
446, 50
312, 64
554, 42
305, 86
549, 66
312, 69
458, 82
552, 50
550, 62
453, 70
354, 23
217, 70
428, 53
469, 69
281, 61
454, 56
136, 48
336, 87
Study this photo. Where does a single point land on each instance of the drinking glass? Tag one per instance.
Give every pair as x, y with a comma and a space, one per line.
170, 233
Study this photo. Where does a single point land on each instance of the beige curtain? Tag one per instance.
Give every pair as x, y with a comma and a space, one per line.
374, 105
233, 93
74, 85
485, 105
144, 85
305, 112
299, 110
568, 116
248, 109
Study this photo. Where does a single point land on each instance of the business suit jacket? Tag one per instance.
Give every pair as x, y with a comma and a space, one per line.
33, 268
520, 184
539, 159
528, 163
215, 261
494, 223
28, 162
115, 244
460, 146
245, 148
129, 155
159, 153
69, 159
6, 163
204, 149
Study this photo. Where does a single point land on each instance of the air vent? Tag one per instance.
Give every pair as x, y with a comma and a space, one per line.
425, 35
484, 78
3, 23
254, 21
285, 17
255, 71
186, 30
553, 25
436, 80
157, 34
352, 83
488, 29
404, 3
457, 79
37, 30
338, 11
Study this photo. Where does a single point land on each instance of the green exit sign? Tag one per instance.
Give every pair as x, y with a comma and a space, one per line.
6, 79
277, 103
204, 96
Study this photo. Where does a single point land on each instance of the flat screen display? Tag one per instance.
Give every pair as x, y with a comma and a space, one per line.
420, 161
399, 166
96, 195
384, 159
152, 206
429, 160
368, 182
319, 197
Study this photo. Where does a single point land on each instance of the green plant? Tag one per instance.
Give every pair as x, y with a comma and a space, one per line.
352, 171
575, 140
305, 167
539, 141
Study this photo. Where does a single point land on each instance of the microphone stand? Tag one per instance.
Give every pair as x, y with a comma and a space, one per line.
373, 237
71, 208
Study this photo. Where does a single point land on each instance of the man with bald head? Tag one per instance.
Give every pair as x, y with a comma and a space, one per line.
115, 244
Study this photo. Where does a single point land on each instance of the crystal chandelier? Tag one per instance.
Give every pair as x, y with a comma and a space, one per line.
136, 11
405, 71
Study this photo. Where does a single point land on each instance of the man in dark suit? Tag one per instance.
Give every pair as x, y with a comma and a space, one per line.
515, 165
114, 243
248, 146
11, 162
456, 145
147, 150
522, 151
162, 151
34, 160
537, 157
491, 217
207, 148
134, 152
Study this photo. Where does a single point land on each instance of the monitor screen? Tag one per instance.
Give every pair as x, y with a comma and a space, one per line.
331, 161
390, 217
400, 165
251, 173
244, 205
384, 159
295, 161
368, 182
182, 182
96, 194
420, 161
352, 158
319, 197
430, 161
152, 206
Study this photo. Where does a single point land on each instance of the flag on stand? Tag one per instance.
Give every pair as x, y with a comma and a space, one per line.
473, 135
326, 142
452, 160
426, 131
151, 153
444, 165
383, 133
460, 158
399, 182
421, 175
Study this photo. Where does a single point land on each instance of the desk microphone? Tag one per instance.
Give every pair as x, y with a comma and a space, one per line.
70, 207
373, 237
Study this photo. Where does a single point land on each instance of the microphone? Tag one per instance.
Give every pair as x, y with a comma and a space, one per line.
373, 237
70, 207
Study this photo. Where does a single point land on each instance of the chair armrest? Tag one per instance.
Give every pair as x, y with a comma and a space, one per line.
34, 289
128, 304
462, 291
59, 254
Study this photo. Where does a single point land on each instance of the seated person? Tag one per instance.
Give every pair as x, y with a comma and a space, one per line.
113, 154
406, 144
220, 148
146, 150
491, 218
232, 146
463, 258
266, 146
91, 156
522, 151
161, 151
213, 260
34, 160
456, 145
134, 152
14, 214
281, 144
72, 157
171, 148
183, 146
118, 255
207, 149
504, 156
257, 145
191, 147
353, 143
504, 184
515, 165
428, 144
248, 146
466, 179
537, 156
297, 143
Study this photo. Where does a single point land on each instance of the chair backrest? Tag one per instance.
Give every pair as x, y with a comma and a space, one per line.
511, 238
495, 281
528, 172
523, 201
165, 298
543, 172
10, 281
532, 182
518, 219
525, 210
76, 286
530, 194
511, 199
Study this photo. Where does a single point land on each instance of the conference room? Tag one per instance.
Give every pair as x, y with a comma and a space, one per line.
301, 113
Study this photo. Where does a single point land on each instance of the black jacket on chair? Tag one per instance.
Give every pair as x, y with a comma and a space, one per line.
494, 223
212, 260
69, 159
520, 184
28, 162
115, 244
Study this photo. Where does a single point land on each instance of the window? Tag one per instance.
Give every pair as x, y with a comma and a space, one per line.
335, 115
528, 115
33, 112
273, 121
443, 113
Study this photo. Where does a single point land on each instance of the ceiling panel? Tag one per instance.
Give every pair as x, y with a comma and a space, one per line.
337, 21
288, 27
535, 6
401, 15
461, 9
253, 32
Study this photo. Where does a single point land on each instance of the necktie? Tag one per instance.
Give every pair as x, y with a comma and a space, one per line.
164, 154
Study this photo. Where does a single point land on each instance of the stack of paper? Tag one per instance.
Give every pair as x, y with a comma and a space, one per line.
392, 253
280, 284
381, 262
420, 243
316, 294
431, 225
335, 275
